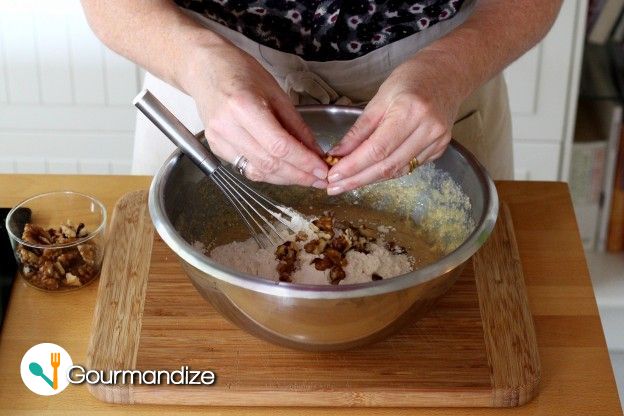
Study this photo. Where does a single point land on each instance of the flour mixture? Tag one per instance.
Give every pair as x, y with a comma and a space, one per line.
330, 251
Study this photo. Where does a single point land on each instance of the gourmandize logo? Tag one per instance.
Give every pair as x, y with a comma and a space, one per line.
44, 369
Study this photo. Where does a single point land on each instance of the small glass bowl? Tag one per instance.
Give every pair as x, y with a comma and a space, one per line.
57, 261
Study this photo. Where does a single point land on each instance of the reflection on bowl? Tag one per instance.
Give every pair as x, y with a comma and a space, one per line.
186, 207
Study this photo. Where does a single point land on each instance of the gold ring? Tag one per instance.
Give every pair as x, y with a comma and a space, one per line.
413, 164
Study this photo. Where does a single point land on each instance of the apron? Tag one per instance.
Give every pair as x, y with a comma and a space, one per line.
483, 125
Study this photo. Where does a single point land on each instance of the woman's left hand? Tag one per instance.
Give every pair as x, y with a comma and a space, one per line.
411, 116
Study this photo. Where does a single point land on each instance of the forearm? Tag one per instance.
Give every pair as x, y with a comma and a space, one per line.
153, 33
495, 35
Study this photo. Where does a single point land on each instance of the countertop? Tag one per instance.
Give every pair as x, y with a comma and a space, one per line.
577, 378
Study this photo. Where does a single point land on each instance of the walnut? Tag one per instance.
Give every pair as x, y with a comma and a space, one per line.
50, 254
87, 252
301, 236
35, 234
330, 159
72, 280
28, 257
48, 283
287, 255
285, 269
341, 243
68, 231
324, 223
53, 268
322, 263
334, 255
336, 274
49, 270
286, 251
315, 246
81, 231
69, 257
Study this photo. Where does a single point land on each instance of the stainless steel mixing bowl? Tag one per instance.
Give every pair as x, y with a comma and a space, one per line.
186, 207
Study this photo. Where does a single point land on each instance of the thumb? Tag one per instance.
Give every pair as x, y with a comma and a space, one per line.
361, 130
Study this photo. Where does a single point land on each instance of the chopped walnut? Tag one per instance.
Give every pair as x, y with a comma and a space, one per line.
324, 223
87, 252
35, 235
336, 274
333, 241
72, 280
301, 236
334, 255
322, 263
315, 246
286, 251
331, 160
287, 255
341, 243
55, 268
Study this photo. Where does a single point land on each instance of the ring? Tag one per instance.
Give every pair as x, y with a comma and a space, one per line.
413, 164
240, 163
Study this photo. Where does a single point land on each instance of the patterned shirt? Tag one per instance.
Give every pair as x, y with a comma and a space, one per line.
325, 30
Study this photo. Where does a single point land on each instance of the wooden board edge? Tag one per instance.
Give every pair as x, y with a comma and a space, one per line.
203, 396
507, 321
121, 294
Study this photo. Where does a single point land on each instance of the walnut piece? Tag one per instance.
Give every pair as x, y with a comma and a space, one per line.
55, 268
330, 159
336, 274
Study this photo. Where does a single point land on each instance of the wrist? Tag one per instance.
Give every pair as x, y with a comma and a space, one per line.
198, 47
457, 59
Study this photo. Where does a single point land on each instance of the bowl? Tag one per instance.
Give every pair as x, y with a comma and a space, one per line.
186, 207
58, 239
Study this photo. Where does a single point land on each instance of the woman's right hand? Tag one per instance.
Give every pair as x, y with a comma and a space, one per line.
245, 112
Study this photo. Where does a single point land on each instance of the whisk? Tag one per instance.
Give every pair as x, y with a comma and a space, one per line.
255, 209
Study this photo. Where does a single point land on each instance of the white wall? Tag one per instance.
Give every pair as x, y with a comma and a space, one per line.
65, 100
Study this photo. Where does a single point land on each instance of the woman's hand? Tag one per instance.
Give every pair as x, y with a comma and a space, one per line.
245, 112
411, 116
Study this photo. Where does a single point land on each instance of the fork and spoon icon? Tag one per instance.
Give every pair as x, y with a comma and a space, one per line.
55, 361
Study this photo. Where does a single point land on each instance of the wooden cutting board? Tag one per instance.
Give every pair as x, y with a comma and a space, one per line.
477, 347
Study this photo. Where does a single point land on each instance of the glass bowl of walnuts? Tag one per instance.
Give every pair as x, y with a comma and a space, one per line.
60, 245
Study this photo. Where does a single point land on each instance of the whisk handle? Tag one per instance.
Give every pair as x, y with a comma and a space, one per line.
177, 132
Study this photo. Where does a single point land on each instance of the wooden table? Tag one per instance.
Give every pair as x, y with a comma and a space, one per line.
577, 378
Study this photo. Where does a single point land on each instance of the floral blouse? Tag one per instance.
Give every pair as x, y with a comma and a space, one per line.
325, 30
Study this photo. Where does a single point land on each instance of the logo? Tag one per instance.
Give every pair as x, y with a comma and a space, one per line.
44, 369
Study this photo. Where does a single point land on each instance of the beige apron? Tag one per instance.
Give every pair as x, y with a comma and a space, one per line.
483, 126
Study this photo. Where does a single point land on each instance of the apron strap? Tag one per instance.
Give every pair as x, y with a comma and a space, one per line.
305, 87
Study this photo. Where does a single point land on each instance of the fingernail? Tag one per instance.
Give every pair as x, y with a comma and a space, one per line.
320, 184
334, 177
320, 173
334, 190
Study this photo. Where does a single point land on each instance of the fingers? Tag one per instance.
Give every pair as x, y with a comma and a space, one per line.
292, 121
392, 131
361, 130
395, 165
260, 123
262, 166
434, 150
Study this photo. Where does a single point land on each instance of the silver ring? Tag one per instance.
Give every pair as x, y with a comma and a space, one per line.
240, 163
